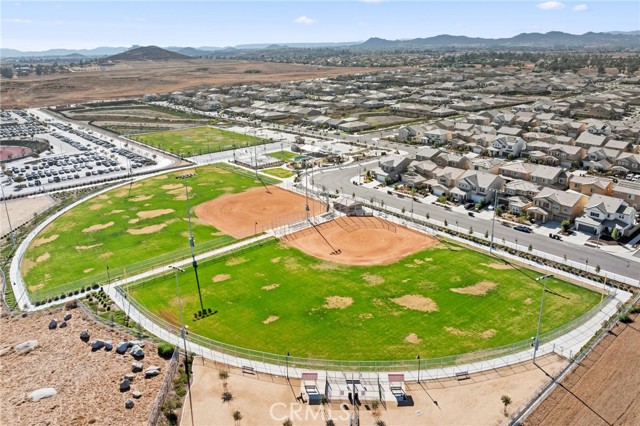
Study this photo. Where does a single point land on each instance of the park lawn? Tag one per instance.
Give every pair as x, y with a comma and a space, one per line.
285, 156
197, 140
279, 172
139, 222
278, 281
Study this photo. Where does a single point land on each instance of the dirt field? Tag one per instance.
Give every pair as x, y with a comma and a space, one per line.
360, 241
602, 390
265, 400
21, 210
241, 215
87, 382
134, 79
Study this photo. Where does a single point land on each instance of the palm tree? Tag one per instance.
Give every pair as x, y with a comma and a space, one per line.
237, 416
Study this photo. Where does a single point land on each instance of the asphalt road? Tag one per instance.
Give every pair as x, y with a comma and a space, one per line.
340, 179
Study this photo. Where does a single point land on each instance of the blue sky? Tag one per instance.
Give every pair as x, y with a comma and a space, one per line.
40, 25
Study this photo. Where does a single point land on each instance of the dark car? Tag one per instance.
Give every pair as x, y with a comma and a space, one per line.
471, 214
469, 206
523, 228
555, 236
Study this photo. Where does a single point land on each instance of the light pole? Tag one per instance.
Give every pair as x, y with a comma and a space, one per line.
184, 338
516, 244
536, 343
192, 244
108, 277
418, 358
493, 221
287, 360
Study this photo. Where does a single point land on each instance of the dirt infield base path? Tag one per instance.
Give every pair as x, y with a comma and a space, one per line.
256, 210
360, 241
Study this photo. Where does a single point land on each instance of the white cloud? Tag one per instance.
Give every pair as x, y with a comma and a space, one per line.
17, 21
550, 5
304, 20
580, 8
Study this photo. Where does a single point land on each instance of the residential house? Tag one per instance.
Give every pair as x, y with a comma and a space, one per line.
451, 159
426, 153
629, 192
489, 165
518, 205
569, 156
445, 179
603, 214
478, 187
522, 188
424, 168
505, 146
555, 205
590, 185
518, 170
550, 176
588, 140
436, 136
391, 167
600, 158
629, 161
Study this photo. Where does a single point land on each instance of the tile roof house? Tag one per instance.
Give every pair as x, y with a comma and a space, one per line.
629, 161
590, 185
478, 186
522, 188
569, 156
505, 146
602, 214
555, 205
629, 192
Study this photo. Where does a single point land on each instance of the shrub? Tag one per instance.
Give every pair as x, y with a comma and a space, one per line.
634, 309
226, 396
71, 304
165, 350
626, 319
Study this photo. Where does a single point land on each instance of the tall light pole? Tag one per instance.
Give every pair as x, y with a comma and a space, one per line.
184, 339
493, 221
287, 361
192, 244
536, 342
13, 237
418, 358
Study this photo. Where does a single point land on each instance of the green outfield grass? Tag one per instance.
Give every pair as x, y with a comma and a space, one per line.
285, 156
277, 281
127, 225
197, 140
279, 172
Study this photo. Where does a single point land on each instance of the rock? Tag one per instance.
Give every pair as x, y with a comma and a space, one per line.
129, 404
62, 324
122, 347
136, 351
41, 393
151, 371
5, 351
136, 342
125, 385
136, 394
84, 335
97, 344
108, 345
136, 367
67, 317
130, 376
53, 324
26, 347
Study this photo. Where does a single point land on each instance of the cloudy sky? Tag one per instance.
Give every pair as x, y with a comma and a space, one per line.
40, 25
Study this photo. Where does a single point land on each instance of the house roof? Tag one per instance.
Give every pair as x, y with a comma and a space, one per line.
564, 198
607, 205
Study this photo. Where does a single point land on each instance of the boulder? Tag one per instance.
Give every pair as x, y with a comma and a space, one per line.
136, 351
130, 376
125, 385
136, 367
67, 317
26, 347
84, 335
129, 404
5, 351
151, 371
97, 344
41, 393
108, 345
136, 342
136, 394
62, 324
53, 324
122, 347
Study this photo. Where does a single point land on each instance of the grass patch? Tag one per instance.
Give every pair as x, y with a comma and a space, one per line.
279, 172
285, 156
197, 140
134, 212
372, 325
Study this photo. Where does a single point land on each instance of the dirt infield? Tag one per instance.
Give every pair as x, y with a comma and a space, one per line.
602, 389
257, 209
360, 241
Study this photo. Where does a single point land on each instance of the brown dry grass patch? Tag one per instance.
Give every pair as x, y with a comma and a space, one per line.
147, 229
235, 261
150, 214
372, 279
98, 227
271, 319
41, 241
86, 271
270, 287
337, 302
416, 302
141, 198
220, 277
499, 266
487, 334
413, 339
479, 289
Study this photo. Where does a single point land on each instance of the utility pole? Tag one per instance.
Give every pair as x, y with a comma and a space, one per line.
192, 244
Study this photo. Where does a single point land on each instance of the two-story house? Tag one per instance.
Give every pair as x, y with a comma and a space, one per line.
569, 156
590, 185
505, 146
451, 159
629, 161
391, 167
603, 214
550, 176
444, 180
518, 170
555, 205
436, 137
478, 187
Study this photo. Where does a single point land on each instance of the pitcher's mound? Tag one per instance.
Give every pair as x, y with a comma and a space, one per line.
357, 240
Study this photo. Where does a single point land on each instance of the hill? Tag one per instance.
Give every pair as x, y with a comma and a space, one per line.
148, 53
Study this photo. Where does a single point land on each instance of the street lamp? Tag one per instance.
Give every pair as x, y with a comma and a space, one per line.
183, 334
108, 278
516, 244
192, 245
418, 358
536, 342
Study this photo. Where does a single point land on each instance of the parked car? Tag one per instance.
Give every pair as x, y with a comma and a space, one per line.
523, 228
471, 214
555, 236
469, 206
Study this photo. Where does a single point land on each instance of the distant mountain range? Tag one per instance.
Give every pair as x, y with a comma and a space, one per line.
148, 53
550, 40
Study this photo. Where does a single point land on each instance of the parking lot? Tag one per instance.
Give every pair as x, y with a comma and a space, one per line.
75, 156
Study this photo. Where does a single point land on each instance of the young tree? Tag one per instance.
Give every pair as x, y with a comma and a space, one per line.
506, 400
237, 416
565, 225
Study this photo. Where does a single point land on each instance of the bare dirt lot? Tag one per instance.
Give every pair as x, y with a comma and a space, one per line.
602, 390
134, 79
21, 210
257, 209
360, 241
266, 400
87, 382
